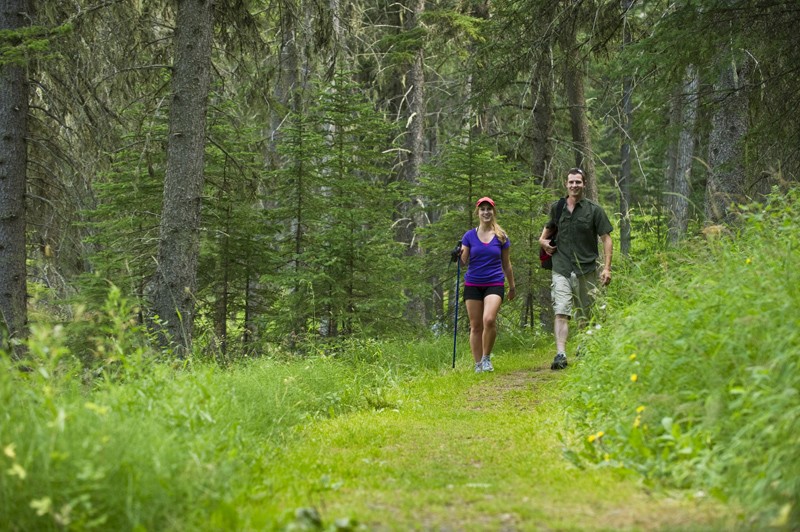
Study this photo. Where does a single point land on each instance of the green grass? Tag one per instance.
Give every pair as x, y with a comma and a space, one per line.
386, 435
465, 451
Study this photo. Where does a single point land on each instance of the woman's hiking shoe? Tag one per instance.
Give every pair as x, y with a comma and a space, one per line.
478, 366
560, 362
486, 363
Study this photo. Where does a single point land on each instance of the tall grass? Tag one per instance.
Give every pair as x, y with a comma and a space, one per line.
693, 380
140, 443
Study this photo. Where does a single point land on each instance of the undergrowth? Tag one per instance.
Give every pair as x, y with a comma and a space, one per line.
144, 443
693, 380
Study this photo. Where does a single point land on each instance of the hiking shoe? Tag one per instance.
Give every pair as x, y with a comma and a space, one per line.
486, 363
559, 362
478, 367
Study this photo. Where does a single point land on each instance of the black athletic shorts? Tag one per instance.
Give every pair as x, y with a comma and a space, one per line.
480, 292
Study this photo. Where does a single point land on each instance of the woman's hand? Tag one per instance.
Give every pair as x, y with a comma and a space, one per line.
512, 293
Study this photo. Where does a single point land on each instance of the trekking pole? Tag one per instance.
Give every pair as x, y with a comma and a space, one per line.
456, 257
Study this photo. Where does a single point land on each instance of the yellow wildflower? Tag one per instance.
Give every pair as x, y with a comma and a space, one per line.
640, 409
748, 261
18, 471
8, 450
633, 356
594, 437
98, 409
42, 506
637, 422
634, 377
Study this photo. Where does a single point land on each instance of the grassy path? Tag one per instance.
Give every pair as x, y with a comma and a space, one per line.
464, 452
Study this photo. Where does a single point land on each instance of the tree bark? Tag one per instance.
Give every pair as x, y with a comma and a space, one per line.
625, 148
543, 149
14, 15
414, 157
576, 98
542, 153
178, 248
680, 166
726, 180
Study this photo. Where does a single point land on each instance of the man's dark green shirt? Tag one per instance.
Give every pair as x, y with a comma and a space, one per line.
578, 232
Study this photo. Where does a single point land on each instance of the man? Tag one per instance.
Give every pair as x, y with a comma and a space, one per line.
575, 256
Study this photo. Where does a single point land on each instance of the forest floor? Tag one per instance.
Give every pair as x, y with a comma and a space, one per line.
463, 451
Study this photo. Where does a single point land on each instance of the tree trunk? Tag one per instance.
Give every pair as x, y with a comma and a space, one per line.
14, 15
681, 163
412, 107
223, 285
726, 180
543, 151
576, 99
178, 247
416, 105
416, 311
625, 149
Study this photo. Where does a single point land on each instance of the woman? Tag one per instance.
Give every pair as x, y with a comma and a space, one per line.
486, 249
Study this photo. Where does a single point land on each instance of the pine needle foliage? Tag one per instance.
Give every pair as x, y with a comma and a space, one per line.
123, 227
20, 46
694, 380
232, 253
355, 246
334, 204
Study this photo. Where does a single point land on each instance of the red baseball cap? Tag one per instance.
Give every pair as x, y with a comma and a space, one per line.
485, 199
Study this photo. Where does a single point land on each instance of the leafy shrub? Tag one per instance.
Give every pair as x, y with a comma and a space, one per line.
158, 444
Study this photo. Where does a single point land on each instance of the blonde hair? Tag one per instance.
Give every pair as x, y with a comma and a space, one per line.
496, 229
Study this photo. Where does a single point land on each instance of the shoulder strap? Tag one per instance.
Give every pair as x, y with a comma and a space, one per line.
560, 209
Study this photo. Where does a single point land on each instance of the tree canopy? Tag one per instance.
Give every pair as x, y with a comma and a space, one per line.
342, 146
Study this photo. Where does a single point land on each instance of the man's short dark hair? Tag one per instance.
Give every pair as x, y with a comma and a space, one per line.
577, 170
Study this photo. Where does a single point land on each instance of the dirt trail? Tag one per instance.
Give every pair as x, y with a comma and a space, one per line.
481, 452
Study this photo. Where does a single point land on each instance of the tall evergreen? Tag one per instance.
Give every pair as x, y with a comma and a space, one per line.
297, 207
234, 240
174, 287
14, 17
355, 245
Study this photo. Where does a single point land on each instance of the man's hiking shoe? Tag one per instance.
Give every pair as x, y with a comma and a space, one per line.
560, 362
478, 367
486, 363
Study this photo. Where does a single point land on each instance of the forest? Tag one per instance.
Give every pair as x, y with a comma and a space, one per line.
304, 175
213, 183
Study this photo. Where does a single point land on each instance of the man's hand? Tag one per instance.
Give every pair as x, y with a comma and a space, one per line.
605, 276
546, 244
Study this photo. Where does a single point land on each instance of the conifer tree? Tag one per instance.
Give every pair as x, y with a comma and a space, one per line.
297, 212
14, 17
175, 282
355, 248
234, 239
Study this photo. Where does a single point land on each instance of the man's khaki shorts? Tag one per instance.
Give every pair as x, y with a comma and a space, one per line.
573, 296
